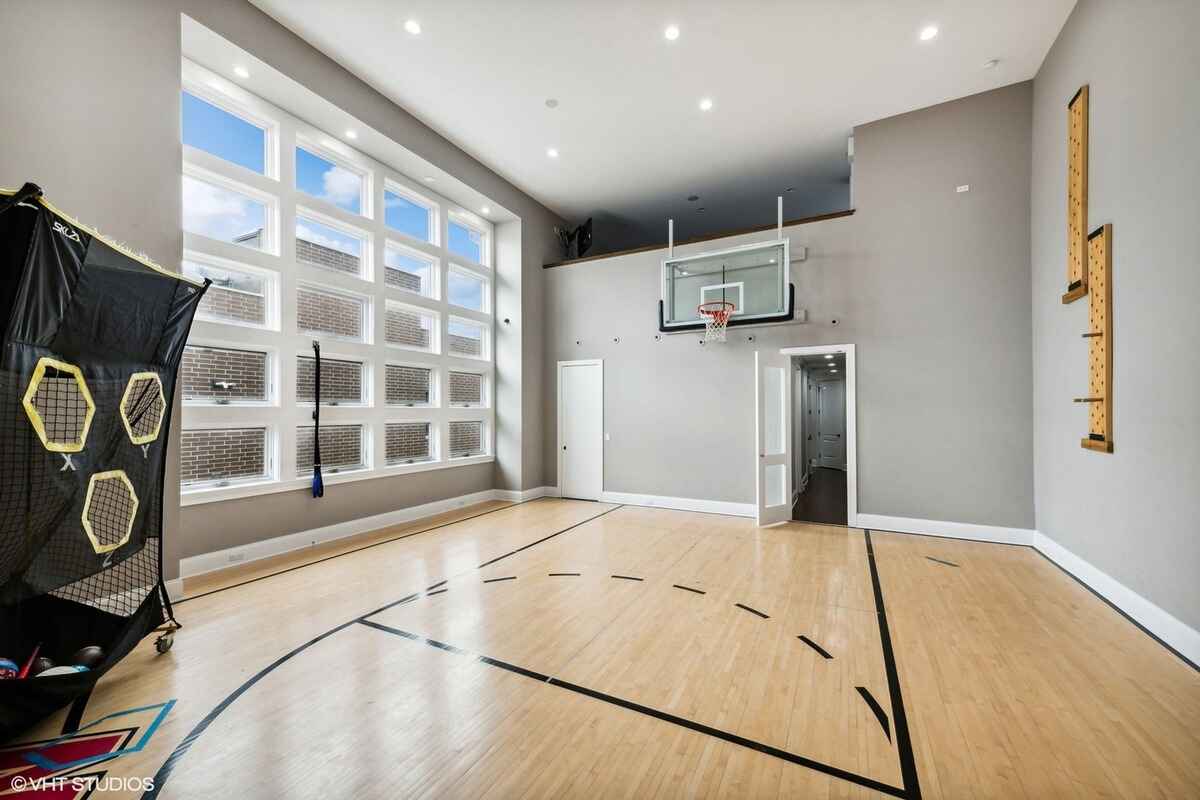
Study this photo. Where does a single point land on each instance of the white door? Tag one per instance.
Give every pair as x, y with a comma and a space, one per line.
832, 407
774, 435
581, 429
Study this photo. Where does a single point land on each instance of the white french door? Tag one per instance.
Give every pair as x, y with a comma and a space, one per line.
773, 397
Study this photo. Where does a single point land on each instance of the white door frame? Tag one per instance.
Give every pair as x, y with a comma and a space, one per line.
851, 420
583, 362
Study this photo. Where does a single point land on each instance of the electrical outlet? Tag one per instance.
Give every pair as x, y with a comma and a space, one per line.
966, 187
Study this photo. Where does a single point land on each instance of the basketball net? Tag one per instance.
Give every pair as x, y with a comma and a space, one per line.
716, 318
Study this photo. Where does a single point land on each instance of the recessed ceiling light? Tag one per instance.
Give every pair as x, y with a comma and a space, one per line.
706, 104
928, 32
485, 210
831, 369
552, 152
241, 72
551, 102
772, 261
672, 33
412, 26
829, 355
351, 135
991, 63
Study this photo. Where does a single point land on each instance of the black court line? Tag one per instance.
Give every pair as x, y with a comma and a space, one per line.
818, 648
627, 578
75, 712
168, 766
546, 538
434, 586
436, 591
940, 561
687, 589
880, 715
494, 580
682, 722
349, 552
908, 763
754, 611
563, 575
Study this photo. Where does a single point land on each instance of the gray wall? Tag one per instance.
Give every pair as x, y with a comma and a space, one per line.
1134, 514
924, 280
94, 118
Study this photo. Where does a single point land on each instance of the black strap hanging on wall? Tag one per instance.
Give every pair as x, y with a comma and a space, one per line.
318, 484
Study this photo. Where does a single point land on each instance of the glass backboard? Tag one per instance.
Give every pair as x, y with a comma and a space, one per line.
752, 277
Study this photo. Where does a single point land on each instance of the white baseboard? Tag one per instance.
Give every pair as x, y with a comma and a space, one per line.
220, 559
1172, 631
953, 530
521, 496
174, 589
682, 503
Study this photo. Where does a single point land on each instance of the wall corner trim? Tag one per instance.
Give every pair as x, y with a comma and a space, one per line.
526, 494
681, 503
1171, 632
174, 589
952, 530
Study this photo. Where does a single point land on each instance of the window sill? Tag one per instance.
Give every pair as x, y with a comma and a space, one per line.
194, 497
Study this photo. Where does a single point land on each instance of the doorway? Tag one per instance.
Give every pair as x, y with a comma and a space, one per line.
822, 422
581, 429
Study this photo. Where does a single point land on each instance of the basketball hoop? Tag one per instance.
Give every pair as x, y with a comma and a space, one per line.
716, 317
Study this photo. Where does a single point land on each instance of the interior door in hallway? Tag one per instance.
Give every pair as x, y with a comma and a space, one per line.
831, 399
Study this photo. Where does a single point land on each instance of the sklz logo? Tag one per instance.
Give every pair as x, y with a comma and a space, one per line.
67, 232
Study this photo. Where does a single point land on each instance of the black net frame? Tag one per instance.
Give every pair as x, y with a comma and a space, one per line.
81, 522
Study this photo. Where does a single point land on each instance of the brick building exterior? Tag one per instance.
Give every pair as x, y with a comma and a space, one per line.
341, 381
233, 305
406, 385
466, 438
319, 255
218, 374
407, 328
407, 442
226, 454
466, 388
323, 312
341, 448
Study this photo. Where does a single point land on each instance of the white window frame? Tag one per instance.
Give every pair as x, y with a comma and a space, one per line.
471, 222
272, 373
198, 241
367, 394
475, 274
435, 329
417, 198
365, 444
485, 342
221, 486
304, 141
281, 337
229, 105
485, 399
366, 268
270, 289
364, 303
485, 439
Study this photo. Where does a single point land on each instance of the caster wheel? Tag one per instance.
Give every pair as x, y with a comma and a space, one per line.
163, 643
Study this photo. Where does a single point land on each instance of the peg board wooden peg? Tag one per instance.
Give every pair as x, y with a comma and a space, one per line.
1100, 343
1077, 196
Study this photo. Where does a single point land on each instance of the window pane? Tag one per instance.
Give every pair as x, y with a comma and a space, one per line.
404, 269
228, 136
223, 214
327, 181
406, 216
322, 246
465, 242
466, 290
407, 386
341, 449
408, 327
341, 381
223, 375
233, 296
407, 442
466, 439
221, 455
333, 314
465, 338
466, 389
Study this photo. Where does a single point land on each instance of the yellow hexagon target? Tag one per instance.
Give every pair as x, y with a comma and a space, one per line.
143, 407
59, 405
108, 510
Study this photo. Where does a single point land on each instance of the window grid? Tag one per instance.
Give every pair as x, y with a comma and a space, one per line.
404, 385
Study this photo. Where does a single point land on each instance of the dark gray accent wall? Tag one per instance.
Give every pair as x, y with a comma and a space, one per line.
1134, 514
930, 284
94, 118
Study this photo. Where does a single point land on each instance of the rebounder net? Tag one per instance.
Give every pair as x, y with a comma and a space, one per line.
92, 341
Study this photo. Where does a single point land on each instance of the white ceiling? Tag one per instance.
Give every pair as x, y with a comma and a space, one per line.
789, 81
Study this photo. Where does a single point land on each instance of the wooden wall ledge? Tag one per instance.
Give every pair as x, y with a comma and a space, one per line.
696, 239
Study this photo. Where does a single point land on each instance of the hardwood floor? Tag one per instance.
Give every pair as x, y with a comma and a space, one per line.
561, 648
824, 500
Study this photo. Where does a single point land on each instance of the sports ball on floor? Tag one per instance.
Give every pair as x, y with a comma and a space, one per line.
65, 670
8, 669
89, 656
40, 665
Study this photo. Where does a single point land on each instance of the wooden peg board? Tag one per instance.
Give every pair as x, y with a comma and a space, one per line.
1077, 194
1100, 348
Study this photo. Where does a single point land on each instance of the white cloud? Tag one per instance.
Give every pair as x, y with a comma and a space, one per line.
317, 237
342, 187
219, 213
